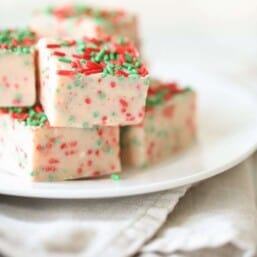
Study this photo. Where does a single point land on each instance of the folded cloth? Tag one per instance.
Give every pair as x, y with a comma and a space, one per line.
217, 214
108, 227
217, 218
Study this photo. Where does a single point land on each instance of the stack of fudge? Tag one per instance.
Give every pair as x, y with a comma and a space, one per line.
76, 99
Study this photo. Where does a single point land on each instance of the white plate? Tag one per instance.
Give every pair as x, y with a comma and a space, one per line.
227, 135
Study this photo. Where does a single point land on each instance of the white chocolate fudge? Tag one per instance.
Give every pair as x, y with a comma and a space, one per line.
92, 82
80, 20
169, 126
17, 68
30, 147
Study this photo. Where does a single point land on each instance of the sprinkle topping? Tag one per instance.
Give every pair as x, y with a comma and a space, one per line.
76, 10
30, 116
162, 93
108, 56
20, 41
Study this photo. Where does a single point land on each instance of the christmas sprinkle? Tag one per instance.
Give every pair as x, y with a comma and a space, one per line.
18, 41
162, 93
115, 177
108, 56
30, 116
76, 10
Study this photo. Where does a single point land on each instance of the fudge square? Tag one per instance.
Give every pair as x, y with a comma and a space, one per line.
91, 82
30, 147
17, 68
168, 127
82, 20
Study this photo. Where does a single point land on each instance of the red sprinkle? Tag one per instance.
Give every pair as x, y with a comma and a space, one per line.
38, 108
57, 53
104, 118
53, 161
39, 148
77, 56
93, 65
73, 143
168, 111
15, 42
113, 84
87, 100
123, 103
63, 145
79, 170
121, 73
65, 72
96, 173
4, 111
53, 46
92, 71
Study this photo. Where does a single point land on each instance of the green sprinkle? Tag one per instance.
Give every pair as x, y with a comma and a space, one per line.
85, 125
63, 59
137, 64
51, 177
102, 96
71, 118
121, 40
106, 58
104, 74
96, 114
127, 65
80, 9
121, 78
65, 44
99, 143
26, 50
113, 55
48, 10
147, 81
18, 96
128, 57
69, 87
134, 77
115, 177
109, 69
64, 170
32, 113
27, 63
77, 83
144, 165
57, 141
110, 150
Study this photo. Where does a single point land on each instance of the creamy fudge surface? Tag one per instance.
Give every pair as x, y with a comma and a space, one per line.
81, 20
169, 126
33, 148
91, 82
17, 68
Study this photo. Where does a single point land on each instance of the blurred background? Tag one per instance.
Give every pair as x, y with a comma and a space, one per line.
180, 36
